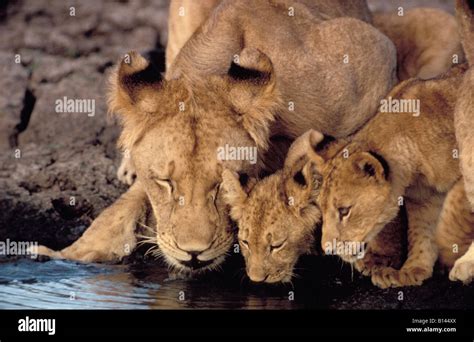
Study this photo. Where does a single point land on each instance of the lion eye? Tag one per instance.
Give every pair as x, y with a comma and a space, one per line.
277, 246
343, 212
215, 192
245, 243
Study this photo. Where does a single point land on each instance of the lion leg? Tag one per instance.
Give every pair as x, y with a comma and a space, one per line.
455, 234
112, 234
463, 123
385, 250
422, 249
371, 262
455, 230
126, 172
463, 269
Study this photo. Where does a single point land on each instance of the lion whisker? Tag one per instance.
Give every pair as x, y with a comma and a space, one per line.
148, 228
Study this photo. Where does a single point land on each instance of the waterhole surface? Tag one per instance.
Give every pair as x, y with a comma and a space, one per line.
322, 284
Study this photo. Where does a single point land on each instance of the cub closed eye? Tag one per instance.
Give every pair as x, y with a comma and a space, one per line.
215, 191
245, 243
343, 212
277, 246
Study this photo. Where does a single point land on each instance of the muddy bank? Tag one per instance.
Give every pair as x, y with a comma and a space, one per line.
58, 170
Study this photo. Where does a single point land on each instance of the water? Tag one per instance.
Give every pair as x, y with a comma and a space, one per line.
58, 284
323, 283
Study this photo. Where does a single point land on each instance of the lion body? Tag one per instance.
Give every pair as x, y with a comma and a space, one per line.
427, 40
417, 165
236, 82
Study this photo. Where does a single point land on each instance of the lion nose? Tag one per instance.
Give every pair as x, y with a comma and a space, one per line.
257, 274
195, 263
194, 247
258, 278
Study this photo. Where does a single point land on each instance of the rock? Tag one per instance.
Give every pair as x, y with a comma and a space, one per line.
13, 82
54, 121
63, 157
51, 195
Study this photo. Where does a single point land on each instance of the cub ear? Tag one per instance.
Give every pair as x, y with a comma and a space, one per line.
301, 172
253, 93
373, 165
304, 147
133, 86
234, 194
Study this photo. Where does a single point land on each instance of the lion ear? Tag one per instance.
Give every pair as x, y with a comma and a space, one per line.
304, 146
234, 194
302, 175
253, 93
133, 86
372, 165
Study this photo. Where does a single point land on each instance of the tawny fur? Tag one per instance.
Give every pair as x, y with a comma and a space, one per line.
421, 154
186, 16
173, 127
424, 172
280, 212
427, 41
338, 52
277, 215
464, 114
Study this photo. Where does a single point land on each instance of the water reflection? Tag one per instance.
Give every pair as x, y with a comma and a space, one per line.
324, 283
57, 284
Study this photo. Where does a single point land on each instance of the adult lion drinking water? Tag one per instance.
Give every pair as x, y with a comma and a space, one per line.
238, 81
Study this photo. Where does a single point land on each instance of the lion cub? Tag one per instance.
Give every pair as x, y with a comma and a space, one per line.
408, 153
278, 215
397, 158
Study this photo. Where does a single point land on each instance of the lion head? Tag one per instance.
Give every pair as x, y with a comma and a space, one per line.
277, 216
356, 200
181, 135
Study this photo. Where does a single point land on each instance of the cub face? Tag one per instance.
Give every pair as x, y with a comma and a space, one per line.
356, 202
277, 215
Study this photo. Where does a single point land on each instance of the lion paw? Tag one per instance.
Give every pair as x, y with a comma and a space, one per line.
365, 267
463, 270
386, 277
42, 250
371, 262
126, 172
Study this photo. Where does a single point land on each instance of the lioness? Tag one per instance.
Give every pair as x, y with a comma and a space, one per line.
408, 155
234, 84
